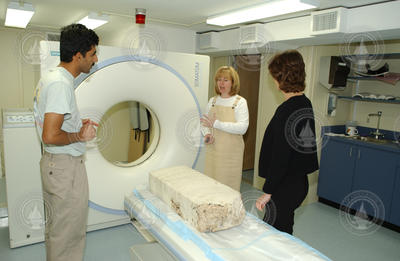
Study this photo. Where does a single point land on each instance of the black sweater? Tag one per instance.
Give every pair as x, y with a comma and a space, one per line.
289, 147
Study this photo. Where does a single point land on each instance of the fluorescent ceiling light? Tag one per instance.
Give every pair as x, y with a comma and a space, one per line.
19, 15
270, 9
94, 20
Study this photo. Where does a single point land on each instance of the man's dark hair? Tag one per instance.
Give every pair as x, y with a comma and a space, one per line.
76, 38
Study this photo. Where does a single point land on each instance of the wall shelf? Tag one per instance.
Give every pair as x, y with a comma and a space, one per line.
373, 78
349, 98
373, 56
367, 57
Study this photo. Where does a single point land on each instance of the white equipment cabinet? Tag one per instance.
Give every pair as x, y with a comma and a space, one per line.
22, 154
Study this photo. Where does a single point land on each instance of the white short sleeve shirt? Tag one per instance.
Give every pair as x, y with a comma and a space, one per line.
55, 93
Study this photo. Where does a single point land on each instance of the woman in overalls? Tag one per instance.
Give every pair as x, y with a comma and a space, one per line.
226, 119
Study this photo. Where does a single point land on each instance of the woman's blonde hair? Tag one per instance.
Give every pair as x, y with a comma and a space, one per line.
233, 75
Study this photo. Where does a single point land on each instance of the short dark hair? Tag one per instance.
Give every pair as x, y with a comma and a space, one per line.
76, 38
288, 70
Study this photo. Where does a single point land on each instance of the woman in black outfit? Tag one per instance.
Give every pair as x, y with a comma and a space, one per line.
288, 152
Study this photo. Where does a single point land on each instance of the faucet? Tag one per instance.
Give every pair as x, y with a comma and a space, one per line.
377, 135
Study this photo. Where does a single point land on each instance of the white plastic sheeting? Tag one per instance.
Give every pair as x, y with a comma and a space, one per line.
252, 240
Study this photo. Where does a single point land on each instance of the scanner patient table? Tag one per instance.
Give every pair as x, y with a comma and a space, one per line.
252, 240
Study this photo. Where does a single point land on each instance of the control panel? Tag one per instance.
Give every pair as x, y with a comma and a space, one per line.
17, 118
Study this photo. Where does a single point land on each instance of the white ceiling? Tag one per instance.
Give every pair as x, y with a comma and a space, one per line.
190, 14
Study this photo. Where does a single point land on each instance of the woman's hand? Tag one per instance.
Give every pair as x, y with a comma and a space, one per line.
262, 201
208, 120
209, 139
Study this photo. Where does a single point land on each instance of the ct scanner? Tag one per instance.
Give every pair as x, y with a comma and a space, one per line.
174, 89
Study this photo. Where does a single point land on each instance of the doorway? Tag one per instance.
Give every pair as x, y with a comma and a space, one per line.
248, 68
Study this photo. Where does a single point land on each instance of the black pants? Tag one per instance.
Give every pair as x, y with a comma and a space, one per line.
284, 201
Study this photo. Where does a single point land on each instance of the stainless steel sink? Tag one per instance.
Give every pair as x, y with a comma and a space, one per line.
374, 140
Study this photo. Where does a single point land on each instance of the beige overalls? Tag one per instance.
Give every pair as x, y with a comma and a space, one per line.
224, 158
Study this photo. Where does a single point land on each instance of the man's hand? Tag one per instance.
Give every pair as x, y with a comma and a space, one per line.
85, 121
87, 131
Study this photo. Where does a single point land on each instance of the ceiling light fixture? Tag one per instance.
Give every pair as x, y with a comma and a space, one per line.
19, 14
270, 9
94, 20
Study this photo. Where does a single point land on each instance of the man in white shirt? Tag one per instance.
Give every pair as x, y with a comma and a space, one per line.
63, 134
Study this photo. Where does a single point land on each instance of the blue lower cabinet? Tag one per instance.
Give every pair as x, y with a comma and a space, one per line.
374, 175
363, 177
395, 209
336, 170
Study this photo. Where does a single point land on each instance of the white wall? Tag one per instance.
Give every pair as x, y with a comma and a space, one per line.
165, 37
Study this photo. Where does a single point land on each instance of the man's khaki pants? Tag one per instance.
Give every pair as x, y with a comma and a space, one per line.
65, 194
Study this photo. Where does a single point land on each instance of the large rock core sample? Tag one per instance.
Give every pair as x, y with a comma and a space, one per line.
203, 202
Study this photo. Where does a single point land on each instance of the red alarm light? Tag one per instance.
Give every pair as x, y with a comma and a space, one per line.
140, 16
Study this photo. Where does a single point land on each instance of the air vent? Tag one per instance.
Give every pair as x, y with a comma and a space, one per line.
209, 40
252, 34
328, 21
53, 37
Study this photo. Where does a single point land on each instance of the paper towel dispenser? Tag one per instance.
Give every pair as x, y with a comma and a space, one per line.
333, 72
